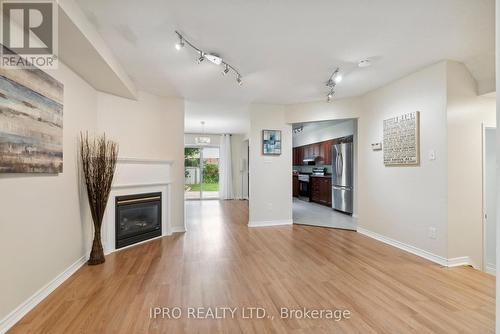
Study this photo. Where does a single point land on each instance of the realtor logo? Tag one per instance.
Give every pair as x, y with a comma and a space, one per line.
29, 34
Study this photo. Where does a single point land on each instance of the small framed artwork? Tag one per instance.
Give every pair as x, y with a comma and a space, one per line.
271, 142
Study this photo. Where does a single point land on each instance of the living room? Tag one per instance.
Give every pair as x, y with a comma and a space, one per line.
111, 220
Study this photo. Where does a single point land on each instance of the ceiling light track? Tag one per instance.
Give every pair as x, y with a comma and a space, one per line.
216, 59
332, 82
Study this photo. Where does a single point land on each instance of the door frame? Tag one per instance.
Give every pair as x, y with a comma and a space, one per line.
201, 147
484, 128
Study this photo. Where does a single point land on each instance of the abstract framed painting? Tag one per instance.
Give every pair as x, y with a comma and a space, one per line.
31, 122
271, 142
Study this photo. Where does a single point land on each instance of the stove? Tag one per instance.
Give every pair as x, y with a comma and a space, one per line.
304, 189
303, 178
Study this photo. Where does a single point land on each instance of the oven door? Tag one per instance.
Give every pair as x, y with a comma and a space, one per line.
304, 188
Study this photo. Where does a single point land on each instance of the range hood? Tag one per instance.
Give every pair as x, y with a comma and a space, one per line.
310, 161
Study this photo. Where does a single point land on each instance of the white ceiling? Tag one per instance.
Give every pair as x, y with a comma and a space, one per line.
286, 49
218, 117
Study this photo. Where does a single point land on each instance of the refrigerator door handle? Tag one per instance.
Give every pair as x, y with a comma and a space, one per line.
341, 163
337, 161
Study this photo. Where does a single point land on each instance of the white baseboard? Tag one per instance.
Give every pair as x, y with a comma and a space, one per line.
453, 262
270, 223
491, 269
178, 229
13, 317
459, 261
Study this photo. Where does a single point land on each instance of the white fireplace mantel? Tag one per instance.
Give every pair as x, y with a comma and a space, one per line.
138, 176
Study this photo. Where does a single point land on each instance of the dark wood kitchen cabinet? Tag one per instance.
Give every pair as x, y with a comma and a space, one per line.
321, 152
295, 179
307, 151
321, 191
327, 151
322, 156
316, 150
298, 156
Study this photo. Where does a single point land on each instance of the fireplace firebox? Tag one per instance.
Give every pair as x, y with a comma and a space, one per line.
138, 218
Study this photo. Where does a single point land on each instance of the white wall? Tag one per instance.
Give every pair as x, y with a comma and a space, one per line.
497, 20
403, 202
238, 170
270, 176
466, 113
315, 133
490, 200
321, 111
151, 128
44, 222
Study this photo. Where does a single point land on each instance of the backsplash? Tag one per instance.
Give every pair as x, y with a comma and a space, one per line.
308, 169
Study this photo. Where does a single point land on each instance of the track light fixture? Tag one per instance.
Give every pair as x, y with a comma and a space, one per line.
335, 79
298, 130
213, 58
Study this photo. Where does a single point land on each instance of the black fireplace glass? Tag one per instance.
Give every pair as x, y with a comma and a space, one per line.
138, 218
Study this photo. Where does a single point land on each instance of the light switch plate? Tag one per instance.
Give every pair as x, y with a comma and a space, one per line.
376, 146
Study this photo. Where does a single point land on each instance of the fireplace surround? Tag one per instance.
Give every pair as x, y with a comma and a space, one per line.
138, 177
137, 218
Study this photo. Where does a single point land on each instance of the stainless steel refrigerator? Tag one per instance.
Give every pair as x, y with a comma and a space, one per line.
342, 177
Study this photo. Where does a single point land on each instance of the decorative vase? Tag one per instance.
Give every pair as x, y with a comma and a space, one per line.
97, 253
98, 157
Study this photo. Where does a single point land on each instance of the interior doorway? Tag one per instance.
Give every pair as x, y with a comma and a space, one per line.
324, 169
489, 200
201, 172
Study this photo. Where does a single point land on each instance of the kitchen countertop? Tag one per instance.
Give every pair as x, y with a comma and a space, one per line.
310, 175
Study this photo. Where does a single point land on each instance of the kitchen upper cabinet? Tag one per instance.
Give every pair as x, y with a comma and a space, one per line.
307, 151
321, 152
322, 157
327, 147
299, 156
316, 150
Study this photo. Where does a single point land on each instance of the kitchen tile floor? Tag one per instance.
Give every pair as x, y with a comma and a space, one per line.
307, 213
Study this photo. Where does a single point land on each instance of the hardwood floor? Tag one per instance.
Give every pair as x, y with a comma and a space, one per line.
221, 262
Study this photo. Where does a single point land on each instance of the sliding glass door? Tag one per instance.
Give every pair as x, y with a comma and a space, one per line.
201, 172
192, 173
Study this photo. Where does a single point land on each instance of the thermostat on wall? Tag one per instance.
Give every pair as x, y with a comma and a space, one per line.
376, 146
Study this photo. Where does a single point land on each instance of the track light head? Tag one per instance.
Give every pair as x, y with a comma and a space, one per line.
238, 80
201, 58
226, 70
329, 97
180, 44
338, 78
